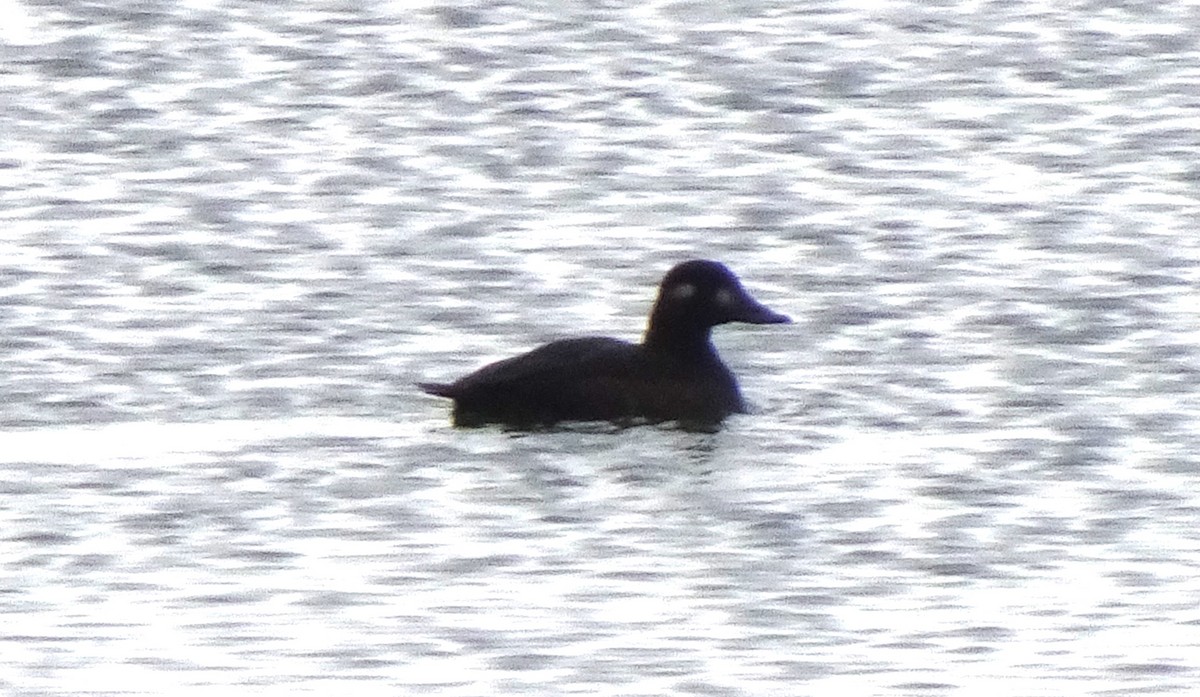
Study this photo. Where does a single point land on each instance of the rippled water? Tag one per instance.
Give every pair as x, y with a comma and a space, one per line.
234, 235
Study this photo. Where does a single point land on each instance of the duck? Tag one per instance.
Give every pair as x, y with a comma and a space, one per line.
673, 374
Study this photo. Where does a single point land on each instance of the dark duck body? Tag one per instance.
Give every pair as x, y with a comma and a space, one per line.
674, 374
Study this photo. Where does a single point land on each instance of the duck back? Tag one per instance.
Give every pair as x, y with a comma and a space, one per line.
592, 379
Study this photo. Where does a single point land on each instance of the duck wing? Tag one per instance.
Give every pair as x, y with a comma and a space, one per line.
571, 379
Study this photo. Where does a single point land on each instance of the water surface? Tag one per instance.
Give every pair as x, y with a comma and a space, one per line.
233, 238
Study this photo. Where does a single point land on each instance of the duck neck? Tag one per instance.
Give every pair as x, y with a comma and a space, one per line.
684, 341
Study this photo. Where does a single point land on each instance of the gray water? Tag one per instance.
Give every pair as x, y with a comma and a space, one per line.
234, 233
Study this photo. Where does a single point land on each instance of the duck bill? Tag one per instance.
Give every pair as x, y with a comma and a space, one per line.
751, 311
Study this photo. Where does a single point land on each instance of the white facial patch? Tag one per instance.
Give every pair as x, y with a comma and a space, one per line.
724, 297
683, 291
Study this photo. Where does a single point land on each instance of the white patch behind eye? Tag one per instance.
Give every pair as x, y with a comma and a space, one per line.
724, 297
683, 291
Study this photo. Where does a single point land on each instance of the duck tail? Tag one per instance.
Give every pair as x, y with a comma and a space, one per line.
438, 389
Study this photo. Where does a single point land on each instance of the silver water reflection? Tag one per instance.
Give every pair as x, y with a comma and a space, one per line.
233, 238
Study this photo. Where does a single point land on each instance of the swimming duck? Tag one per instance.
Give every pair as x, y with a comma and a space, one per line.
673, 374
